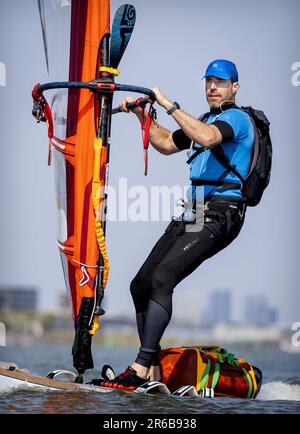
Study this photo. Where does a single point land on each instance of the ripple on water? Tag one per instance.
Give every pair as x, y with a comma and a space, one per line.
123, 403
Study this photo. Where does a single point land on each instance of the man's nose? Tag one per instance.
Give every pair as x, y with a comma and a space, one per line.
212, 85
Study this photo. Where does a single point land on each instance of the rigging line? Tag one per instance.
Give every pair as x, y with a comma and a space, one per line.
85, 265
43, 26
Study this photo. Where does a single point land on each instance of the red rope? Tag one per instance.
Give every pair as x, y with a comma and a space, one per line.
145, 126
44, 111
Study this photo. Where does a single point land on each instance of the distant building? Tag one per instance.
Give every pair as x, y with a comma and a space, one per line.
63, 300
186, 307
258, 311
219, 307
61, 314
18, 298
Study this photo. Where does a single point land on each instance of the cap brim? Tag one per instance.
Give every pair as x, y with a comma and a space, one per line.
218, 75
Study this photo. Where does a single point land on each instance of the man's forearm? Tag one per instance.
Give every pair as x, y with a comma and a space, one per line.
196, 130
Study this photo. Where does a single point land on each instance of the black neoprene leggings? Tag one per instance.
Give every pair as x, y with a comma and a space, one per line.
176, 255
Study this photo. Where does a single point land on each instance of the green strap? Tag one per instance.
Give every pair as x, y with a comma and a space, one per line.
228, 357
216, 375
220, 357
249, 395
205, 375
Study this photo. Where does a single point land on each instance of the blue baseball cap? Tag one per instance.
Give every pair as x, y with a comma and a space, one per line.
223, 69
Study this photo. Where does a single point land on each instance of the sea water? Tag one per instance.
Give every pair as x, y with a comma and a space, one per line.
280, 392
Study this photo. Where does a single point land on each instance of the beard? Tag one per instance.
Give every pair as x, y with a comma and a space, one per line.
216, 103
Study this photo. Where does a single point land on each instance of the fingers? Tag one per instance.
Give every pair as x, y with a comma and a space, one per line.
161, 98
123, 104
157, 92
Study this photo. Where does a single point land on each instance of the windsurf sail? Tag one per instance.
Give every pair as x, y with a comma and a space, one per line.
79, 124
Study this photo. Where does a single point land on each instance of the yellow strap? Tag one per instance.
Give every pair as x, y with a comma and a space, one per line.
102, 247
97, 161
96, 198
96, 190
112, 71
95, 325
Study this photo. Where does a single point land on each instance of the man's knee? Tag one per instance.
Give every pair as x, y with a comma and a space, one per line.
162, 289
134, 288
139, 288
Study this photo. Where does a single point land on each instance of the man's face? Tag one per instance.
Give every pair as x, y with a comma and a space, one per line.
218, 90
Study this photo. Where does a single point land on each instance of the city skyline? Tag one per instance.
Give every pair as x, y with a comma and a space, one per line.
216, 307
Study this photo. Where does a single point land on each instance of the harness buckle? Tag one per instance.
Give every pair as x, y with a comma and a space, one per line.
241, 211
241, 214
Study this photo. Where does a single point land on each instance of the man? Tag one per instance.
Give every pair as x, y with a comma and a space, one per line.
180, 251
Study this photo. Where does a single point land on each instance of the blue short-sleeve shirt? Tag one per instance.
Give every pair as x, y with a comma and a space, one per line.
238, 150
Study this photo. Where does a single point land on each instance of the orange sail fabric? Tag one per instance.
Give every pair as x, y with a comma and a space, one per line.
90, 21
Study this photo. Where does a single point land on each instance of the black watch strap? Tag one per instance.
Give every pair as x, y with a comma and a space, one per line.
174, 107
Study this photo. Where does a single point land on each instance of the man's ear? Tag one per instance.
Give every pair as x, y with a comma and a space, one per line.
235, 87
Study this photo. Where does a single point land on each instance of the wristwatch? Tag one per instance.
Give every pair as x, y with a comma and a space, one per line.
174, 107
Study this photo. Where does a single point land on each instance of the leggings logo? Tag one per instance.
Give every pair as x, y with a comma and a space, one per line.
296, 336
2, 335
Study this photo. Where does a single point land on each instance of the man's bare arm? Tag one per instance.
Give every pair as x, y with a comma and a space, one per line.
197, 131
161, 138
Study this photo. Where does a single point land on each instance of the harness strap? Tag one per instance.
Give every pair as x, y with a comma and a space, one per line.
219, 154
195, 154
224, 185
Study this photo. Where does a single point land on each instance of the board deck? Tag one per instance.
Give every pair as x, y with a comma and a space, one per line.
13, 377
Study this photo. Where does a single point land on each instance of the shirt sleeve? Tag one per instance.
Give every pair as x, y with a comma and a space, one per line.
236, 120
181, 140
225, 129
232, 125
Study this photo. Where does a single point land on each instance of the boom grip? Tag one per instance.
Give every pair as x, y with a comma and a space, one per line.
137, 89
131, 105
95, 86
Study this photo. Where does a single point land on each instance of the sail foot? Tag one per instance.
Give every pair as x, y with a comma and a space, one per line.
81, 351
